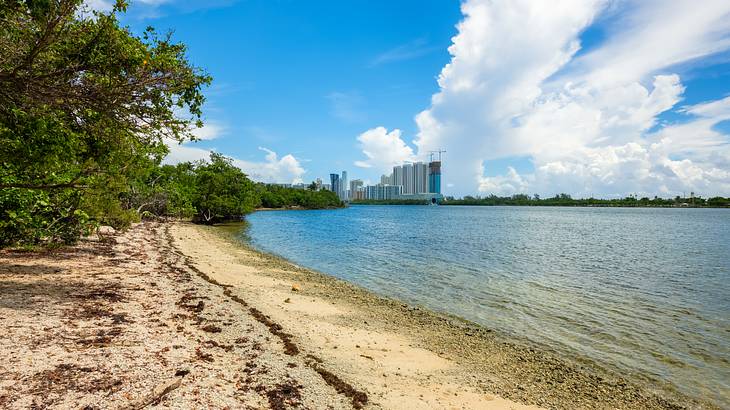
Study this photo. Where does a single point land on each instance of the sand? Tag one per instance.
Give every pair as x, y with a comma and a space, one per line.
182, 316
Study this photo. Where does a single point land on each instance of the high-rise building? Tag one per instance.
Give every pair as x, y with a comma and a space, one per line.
381, 192
434, 177
397, 176
358, 195
343, 187
392, 191
420, 178
355, 187
409, 187
335, 184
417, 180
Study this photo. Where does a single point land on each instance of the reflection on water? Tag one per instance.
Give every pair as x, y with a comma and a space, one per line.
642, 290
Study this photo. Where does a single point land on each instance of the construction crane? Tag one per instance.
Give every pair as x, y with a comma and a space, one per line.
432, 153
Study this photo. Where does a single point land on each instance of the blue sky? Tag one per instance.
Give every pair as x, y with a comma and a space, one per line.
306, 78
584, 97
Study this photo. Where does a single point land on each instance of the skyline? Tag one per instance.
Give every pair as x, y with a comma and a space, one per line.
588, 98
409, 180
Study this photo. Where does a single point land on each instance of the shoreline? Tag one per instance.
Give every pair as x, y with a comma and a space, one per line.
534, 206
542, 372
293, 208
187, 316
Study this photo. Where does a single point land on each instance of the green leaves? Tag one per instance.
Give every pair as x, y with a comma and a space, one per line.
274, 196
85, 110
121, 6
223, 192
33, 216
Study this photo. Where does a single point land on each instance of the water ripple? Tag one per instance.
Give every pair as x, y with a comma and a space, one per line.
646, 291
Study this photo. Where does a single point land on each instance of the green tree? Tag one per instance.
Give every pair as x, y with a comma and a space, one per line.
223, 192
85, 107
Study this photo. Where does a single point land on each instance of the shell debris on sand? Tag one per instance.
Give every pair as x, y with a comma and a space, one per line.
79, 332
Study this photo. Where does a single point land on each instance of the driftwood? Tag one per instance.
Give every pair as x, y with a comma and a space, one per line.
155, 396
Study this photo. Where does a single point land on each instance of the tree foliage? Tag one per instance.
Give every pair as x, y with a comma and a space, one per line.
215, 191
222, 191
85, 107
275, 196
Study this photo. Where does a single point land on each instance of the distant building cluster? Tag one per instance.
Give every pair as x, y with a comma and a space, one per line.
417, 180
295, 186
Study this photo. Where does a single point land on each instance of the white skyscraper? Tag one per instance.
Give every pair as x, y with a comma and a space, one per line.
397, 177
409, 181
420, 178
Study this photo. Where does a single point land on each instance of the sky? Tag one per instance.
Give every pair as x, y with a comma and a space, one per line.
585, 97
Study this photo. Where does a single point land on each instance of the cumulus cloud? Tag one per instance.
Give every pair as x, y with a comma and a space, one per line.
286, 169
516, 86
509, 184
383, 149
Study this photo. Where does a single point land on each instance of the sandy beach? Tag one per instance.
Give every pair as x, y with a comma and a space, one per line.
183, 316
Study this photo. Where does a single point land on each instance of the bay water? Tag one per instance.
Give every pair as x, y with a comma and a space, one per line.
643, 291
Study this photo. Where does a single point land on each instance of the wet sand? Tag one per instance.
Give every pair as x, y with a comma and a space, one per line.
186, 317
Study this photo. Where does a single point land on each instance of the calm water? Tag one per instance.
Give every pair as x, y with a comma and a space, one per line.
646, 291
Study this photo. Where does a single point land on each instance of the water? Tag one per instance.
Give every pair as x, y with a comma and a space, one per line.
644, 291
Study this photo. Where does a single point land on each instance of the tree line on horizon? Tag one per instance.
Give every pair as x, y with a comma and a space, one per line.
87, 110
567, 200
562, 200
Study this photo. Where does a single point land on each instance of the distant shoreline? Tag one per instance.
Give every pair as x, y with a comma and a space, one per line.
292, 208
458, 203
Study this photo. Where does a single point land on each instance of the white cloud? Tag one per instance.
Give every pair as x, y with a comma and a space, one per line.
719, 109
99, 5
209, 131
184, 153
515, 88
656, 34
691, 156
383, 149
286, 169
505, 185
